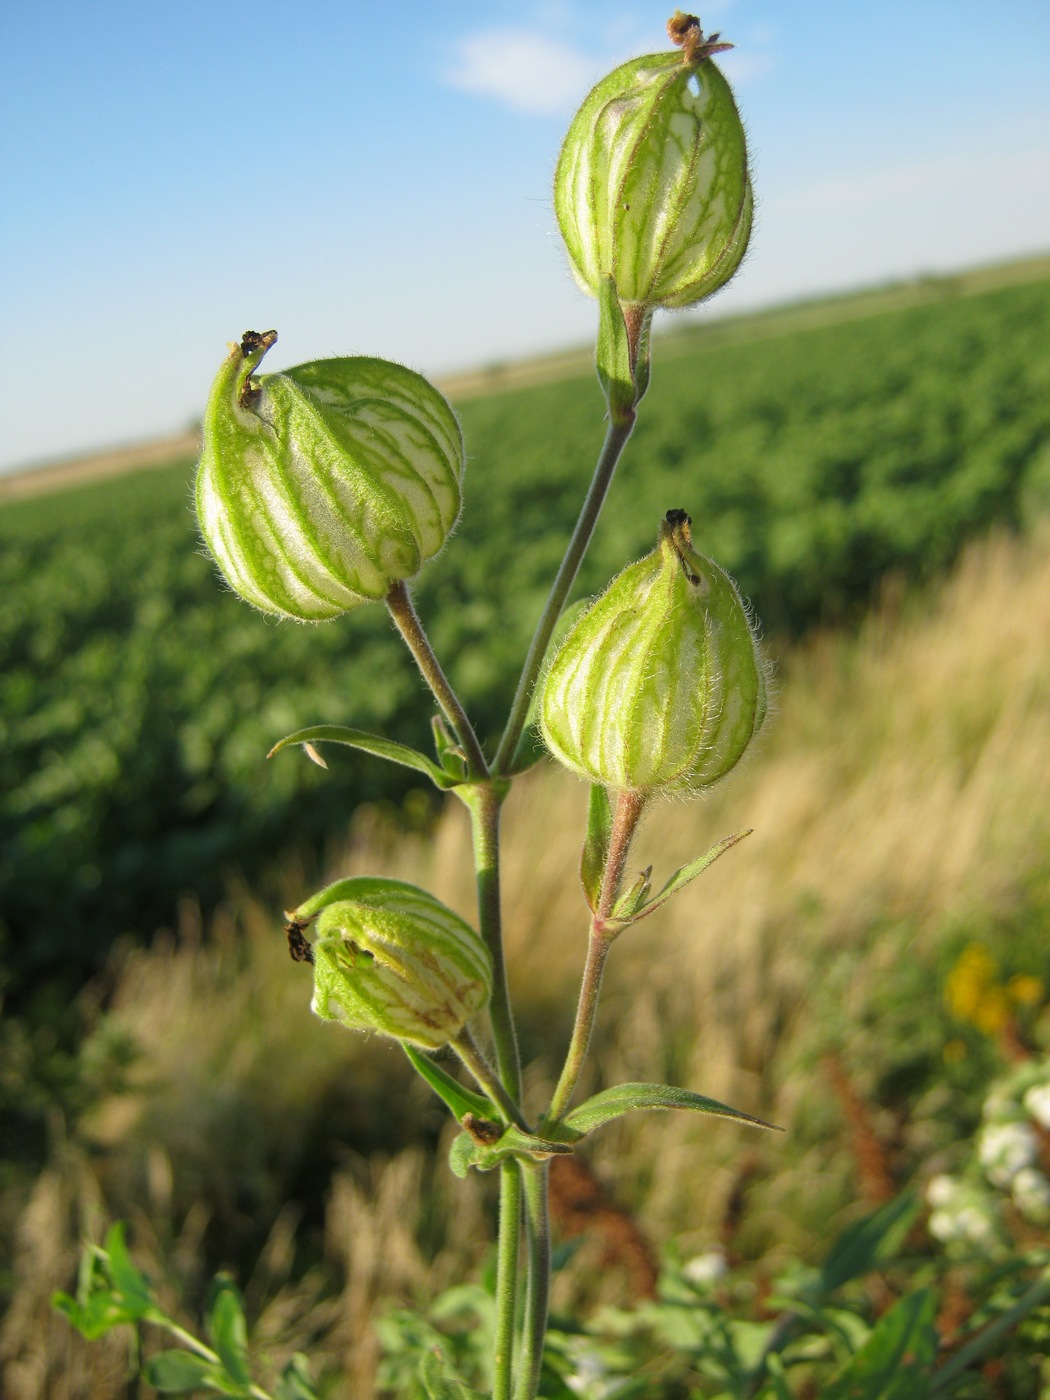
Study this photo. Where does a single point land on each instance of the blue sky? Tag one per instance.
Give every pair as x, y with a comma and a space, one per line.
175, 174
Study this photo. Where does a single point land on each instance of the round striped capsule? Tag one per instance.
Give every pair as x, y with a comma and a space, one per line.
321, 486
660, 685
652, 186
389, 957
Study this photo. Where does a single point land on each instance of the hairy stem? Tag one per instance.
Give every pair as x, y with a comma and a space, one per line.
537, 1296
615, 440
483, 802
467, 1049
506, 1278
586, 1011
629, 806
406, 620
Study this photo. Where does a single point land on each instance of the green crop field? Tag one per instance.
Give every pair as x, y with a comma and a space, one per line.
137, 699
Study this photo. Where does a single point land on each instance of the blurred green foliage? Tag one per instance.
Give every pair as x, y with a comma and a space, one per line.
138, 699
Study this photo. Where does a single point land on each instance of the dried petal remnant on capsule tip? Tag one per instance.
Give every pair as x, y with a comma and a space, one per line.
254, 341
652, 191
321, 486
298, 945
660, 685
389, 957
684, 31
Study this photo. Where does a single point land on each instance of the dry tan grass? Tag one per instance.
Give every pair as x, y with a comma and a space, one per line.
904, 779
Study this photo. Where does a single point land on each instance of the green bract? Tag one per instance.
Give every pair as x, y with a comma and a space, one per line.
660, 685
652, 185
321, 486
390, 957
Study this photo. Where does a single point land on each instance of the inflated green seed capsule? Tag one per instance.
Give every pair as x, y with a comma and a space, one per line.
321, 486
660, 685
652, 182
389, 957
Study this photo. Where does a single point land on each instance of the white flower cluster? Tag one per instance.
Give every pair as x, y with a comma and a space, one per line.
705, 1269
962, 1214
965, 1212
590, 1377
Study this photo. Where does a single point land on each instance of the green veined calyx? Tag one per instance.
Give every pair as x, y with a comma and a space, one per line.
652, 186
390, 957
321, 486
660, 685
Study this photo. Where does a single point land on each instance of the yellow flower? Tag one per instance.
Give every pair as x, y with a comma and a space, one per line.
1026, 990
993, 1012
969, 982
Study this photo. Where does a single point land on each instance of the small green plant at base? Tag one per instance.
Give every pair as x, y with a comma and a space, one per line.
329, 486
112, 1292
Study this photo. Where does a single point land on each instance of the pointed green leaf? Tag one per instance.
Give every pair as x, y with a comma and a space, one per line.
632, 901
131, 1284
863, 1244
686, 873
460, 1100
613, 353
644, 362
896, 1361
368, 743
94, 1317
595, 844
295, 1382
466, 1151
439, 1380
176, 1372
625, 1098
228, 1329
451, 756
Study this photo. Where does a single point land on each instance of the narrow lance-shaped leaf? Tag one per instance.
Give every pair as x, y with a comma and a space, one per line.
861, 1245
613, 352
595, 844
688, 873
180, 1372
896, 1360
451, 756
375, 744
229, 1331
295, 1382
129, 1282
626, 1098
461, 1101
630, 904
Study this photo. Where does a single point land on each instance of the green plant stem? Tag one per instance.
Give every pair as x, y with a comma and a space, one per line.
190, 1342
537, 1296
483, 802
978, 1346
586, 1011
406, 620
615, 440
195, 1345
506, 1279
629, 807
467, 1049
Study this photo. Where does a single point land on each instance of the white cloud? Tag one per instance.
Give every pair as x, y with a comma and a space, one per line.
899, 186
526, 71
